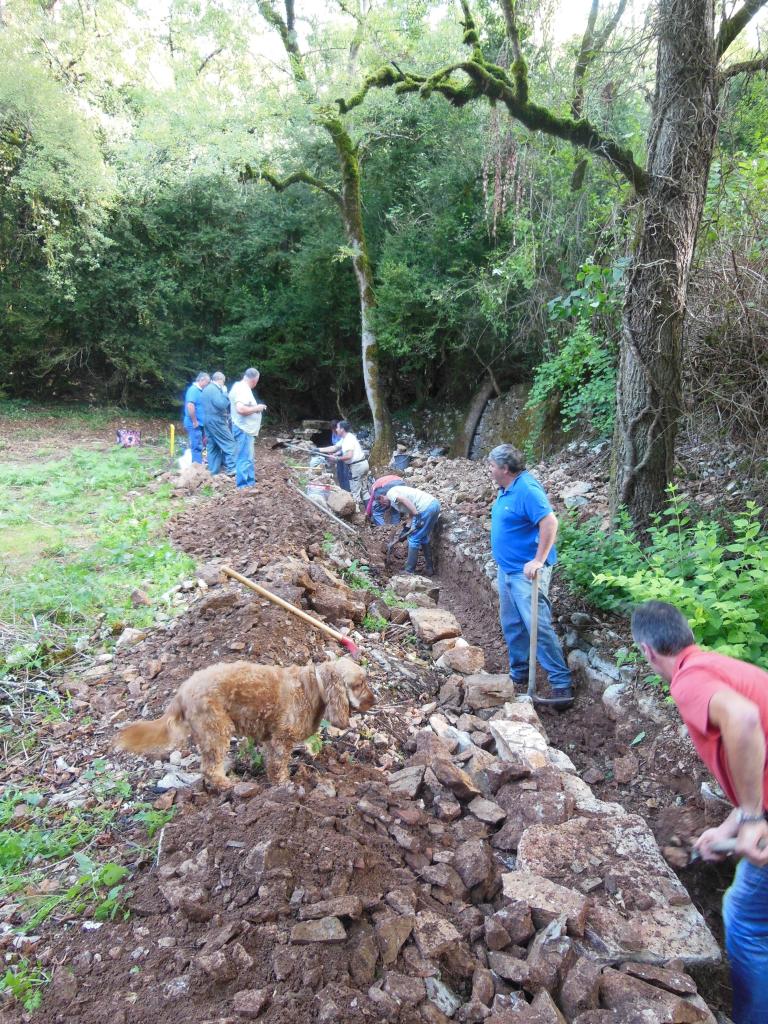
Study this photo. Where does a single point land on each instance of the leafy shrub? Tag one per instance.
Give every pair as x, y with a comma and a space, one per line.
716, 576
582, 377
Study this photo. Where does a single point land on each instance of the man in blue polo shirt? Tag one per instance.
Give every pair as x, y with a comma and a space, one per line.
194, 415
523, 531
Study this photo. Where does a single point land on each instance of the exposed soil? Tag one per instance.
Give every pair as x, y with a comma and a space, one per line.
162, 965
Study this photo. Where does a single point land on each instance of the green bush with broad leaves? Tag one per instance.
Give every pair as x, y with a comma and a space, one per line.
716, 574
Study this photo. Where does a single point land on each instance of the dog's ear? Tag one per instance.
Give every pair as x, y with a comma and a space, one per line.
337, 704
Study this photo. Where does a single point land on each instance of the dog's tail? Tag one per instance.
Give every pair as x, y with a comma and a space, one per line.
162, 734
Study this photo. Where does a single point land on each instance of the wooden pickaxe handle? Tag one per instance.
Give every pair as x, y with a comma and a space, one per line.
534, 634
345, 641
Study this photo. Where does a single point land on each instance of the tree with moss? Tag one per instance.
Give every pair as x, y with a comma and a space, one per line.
691, 72
347, 198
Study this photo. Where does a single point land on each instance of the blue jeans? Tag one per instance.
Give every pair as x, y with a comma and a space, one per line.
221, 448
423, 525
745, 914
378, 514
245, 473
195, 435
515, 616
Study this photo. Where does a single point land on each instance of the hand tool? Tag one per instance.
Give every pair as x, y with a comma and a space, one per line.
345, 641
405, 530
534, 630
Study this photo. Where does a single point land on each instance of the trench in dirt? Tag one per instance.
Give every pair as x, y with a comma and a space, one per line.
666, 789
125, 972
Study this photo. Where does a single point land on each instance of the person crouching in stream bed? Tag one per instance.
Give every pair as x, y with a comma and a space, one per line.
423, 509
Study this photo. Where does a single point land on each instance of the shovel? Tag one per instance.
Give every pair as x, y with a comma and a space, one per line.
726, 846
404, 531
345, 641
534, 630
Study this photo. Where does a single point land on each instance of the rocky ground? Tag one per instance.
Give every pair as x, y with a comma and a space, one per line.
450, 856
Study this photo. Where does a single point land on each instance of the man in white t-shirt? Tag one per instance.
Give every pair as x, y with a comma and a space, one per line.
423, 508
246, 410
348, 451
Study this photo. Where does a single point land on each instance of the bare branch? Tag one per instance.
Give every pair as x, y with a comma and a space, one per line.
206, 60
744, 67
591, 45
731, 27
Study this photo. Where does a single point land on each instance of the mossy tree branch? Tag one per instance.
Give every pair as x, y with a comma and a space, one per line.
485, 79
297, 177
731, 27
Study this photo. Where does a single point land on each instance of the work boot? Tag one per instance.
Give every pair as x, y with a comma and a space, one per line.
413, 557
560, 699
429, 567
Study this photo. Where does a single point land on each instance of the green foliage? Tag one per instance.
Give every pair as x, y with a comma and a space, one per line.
716, 575
581, 376
153, 819
374, 623
25, 981
253, 757
358, 576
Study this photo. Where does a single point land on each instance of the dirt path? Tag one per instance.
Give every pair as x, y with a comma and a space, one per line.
238, 871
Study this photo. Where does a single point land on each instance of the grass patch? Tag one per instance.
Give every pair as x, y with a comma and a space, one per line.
96, 534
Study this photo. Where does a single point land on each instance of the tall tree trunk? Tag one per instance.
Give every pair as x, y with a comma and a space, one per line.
352, 213
682, 136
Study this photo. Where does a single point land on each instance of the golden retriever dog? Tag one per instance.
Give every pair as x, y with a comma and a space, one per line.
277, 706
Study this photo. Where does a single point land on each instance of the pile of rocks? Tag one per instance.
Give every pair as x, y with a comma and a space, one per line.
578, 909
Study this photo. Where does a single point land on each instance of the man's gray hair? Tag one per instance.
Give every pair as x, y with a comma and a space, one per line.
508, 457
218, 377
202, 376
662, 626
251, 373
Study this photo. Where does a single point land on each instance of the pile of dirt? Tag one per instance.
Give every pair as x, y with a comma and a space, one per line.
213, 936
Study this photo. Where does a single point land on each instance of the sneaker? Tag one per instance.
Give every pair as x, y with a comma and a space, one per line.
559, 699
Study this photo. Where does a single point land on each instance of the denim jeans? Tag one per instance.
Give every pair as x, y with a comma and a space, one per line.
745, 914
245, 474
515, 616
221, 448
195, 435
423, 525
379, 514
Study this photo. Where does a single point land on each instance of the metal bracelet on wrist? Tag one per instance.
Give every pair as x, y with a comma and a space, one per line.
750, 819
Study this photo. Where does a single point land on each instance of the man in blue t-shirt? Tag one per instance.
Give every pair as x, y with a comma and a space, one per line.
523, 531
194, 416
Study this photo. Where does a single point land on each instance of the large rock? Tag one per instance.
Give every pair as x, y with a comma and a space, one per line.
547, 899
473, 862
434, 935
433, 624
326, 930
581, 988
407, 782
341, 503
654, 919
622, 992
454, 779
520, 742
413, 584
463, 658
341, 906
392, 932
487, 691
338, 603
526, 808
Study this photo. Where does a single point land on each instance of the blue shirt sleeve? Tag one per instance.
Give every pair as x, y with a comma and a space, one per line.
536, 504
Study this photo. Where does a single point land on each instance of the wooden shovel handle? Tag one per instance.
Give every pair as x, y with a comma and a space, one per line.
287, 606
534, 631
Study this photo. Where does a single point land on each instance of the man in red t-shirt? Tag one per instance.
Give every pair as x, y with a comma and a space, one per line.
724, 704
